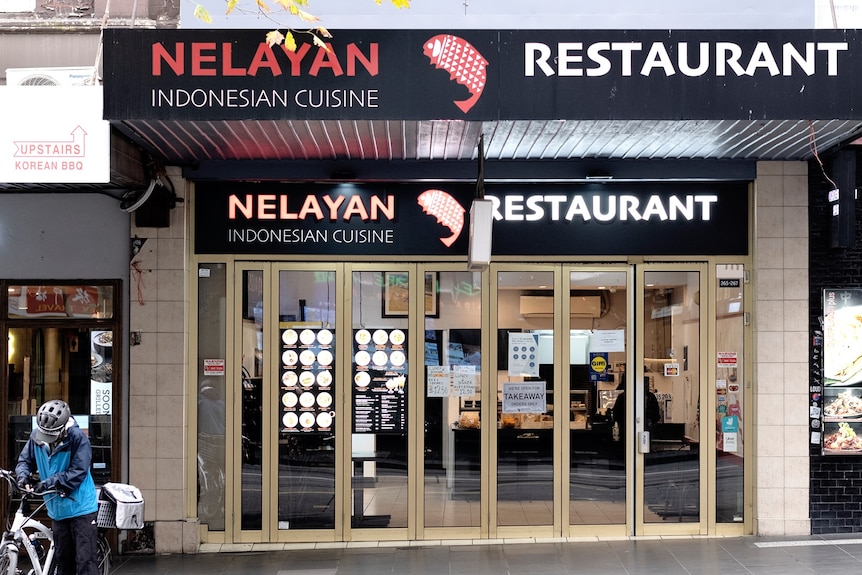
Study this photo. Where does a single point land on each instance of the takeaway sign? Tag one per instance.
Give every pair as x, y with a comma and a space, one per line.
53, 134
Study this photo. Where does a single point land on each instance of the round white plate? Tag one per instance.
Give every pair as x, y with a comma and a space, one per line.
96, 360
324, 357
289, 378
306, 420
397, 358
324, 336
362, 337
397, 337
324, 419
289, 399
379, 358
290, 419
306, 357
380, 337
362, 379
324, 378
289, 337
289, 357
362, 358
306, 337
306, 399
103, 338
324, 399
306, 379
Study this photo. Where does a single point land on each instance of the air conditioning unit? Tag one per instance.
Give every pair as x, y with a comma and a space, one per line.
543, 306
69, 76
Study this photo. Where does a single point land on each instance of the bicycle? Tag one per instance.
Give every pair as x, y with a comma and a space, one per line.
23, 532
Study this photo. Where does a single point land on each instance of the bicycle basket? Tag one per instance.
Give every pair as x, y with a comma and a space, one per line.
106, 518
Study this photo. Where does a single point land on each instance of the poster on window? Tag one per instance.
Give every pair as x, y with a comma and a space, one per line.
841, 410
307, 365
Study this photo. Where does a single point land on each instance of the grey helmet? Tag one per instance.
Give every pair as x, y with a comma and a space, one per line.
51, 420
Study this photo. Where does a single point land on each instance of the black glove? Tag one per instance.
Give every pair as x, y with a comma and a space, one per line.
23, 483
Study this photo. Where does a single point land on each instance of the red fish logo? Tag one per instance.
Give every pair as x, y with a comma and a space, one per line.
446, 209
463, 62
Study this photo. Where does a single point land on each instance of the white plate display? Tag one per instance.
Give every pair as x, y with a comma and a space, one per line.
324, 399
362, 337
96, 360
397, 358
362, 379
362, 358
289, 399
380, 337
306, 357
289, 357
397, 337
324, 336
306, 337
324, 419
289, 336
289, 378
324, 357
379, 358
306, 379
324, 378
103, 338
290, 419
306, 420
306, 399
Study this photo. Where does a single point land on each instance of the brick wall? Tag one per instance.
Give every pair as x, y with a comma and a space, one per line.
836, 481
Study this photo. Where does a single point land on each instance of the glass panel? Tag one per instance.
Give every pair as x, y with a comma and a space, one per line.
211, 395
670, 396
252, 399
379, 441
525, 388
61, 301
73, 364
306, 416
453, 351
730, 398
598, 474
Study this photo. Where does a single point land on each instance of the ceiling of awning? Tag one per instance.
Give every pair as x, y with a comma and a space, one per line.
193, 143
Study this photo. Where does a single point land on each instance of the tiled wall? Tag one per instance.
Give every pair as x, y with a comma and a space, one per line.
781, 350
157, 303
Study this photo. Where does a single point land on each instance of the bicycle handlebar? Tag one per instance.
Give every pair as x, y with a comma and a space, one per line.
12, 480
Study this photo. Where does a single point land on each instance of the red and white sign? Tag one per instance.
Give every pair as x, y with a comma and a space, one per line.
727, 359
54, 134
213, 367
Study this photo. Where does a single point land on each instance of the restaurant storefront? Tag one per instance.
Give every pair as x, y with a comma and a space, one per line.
349, 377
361, 385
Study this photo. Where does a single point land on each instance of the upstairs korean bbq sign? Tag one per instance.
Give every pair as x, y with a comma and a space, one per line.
485, 74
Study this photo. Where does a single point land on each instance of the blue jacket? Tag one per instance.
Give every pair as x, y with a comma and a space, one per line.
67, 468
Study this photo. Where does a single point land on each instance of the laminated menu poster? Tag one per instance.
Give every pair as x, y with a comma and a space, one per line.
842, 336
307, 365
379, 381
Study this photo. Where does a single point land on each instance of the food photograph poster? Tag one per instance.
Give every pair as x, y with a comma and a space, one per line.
842, 371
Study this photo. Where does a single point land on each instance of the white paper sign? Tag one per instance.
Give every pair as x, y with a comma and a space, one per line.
608, 340
526, 397
464, 380
730, 442
523, 354
438, 381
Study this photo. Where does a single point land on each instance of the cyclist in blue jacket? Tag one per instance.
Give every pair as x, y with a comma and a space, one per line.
61, 454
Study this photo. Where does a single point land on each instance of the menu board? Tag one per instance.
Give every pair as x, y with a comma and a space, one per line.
307, 357
379, 381
842, 372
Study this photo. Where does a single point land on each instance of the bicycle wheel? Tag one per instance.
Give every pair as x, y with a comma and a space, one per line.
104, 556
9, 559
